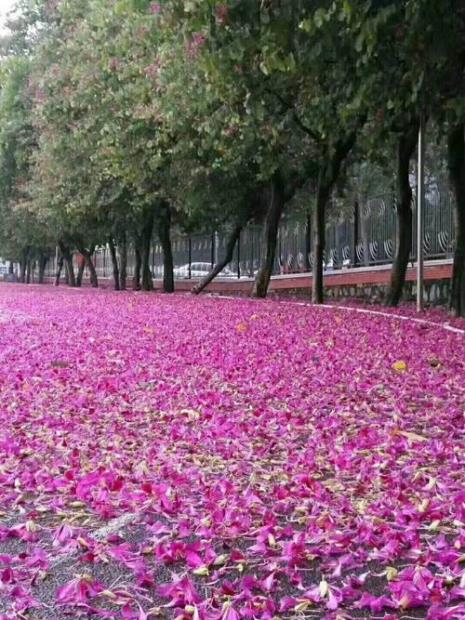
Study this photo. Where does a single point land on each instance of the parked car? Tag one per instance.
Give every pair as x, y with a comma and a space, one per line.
199, 270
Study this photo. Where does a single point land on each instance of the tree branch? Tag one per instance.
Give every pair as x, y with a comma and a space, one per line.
288, 107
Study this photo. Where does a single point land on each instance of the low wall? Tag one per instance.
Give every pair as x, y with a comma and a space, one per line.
369, 283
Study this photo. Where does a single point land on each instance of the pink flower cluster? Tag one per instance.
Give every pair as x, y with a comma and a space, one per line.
194, 44
217, 459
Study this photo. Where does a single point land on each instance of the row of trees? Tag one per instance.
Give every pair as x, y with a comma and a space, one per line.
119, 118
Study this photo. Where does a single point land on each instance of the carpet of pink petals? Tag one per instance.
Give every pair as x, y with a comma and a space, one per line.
264, 459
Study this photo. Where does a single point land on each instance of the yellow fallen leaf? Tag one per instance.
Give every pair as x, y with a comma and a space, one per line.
400, 366
191, 414
391, 573
431, 484
220, 560
423, 507
412, 436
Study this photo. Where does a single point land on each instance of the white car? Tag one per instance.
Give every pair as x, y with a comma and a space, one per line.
199, 270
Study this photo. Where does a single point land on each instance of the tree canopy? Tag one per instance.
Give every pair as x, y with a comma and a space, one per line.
124, 119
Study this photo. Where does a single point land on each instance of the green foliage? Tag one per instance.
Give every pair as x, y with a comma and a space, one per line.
20, 233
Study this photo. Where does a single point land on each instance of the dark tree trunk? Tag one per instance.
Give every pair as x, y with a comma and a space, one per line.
70, 270
406, 148
319, 239
456, 163
28, 271
269, 238
22, 269
230, 245
328, 176
80, 271
88, 262
164, 231
308, 240
92, 272
123, 254
59, 269
147, 231
137, 267
114, 263
68, 260
42, 265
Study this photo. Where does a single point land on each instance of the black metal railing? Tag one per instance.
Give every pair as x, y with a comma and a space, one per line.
358, 235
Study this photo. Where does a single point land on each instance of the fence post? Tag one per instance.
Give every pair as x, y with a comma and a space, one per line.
420, 214
190, 258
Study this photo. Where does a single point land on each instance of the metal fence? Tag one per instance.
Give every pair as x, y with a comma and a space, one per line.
359, 235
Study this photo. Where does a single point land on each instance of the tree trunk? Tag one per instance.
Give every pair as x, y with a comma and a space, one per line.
92, 272
114, 263
319, 240
406, 148
87, 262
456, 163
123, 255
28, 271
80, 271
137, 267
68, 260
58, 271
308, 240
269, 238
328, 176
70, 270
22, 269
230, 245
147, 231
42, 265
165, 240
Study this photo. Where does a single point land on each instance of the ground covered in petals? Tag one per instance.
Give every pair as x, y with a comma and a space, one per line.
218, 459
